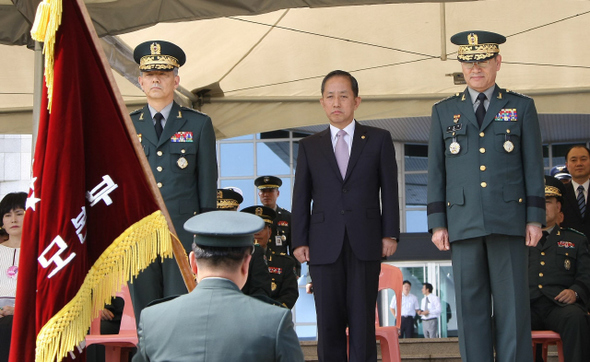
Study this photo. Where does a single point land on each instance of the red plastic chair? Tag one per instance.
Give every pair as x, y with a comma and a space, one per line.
390, 278
545, 338
116, 345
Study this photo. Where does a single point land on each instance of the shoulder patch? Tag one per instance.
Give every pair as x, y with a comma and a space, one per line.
456, 95
517, 94
574, 231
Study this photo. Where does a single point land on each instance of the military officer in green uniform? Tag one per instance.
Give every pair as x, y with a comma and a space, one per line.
284, 289
559, 279
486, 201
179, 144
280, 239
216, 322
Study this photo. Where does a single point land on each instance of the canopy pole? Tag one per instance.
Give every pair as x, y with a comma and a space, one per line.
37, 93
443, 32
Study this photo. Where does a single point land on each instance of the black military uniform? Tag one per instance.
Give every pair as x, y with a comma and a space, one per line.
283, 285
228, 199
561, 261
280, 238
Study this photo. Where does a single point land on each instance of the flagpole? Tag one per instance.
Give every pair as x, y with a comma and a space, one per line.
177, 248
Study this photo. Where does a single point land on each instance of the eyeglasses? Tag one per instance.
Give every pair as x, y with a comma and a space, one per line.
482, 64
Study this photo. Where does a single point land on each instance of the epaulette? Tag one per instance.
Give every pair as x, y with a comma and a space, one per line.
517, 94
162, 300
135, 112
575, 231
192, 110
283, 254
456, 95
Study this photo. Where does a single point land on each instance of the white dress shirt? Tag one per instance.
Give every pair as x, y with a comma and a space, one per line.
433, 306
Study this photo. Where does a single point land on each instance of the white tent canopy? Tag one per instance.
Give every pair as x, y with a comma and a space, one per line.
263, 72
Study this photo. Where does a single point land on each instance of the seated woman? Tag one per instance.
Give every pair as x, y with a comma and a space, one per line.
12, 210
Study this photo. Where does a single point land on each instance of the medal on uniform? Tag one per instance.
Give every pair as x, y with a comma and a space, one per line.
182, 162
455, 147
567, 264
283, 237
508, 145
273, 286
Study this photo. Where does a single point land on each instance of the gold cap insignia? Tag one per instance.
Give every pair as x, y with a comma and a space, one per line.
155, 49
266, 179
259, 211
472, 39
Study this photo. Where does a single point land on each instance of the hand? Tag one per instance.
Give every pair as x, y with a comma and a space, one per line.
566, 296
309, 288
440, 238
302, 254
425, 312
6, 311
389, 246
533, 235
106, 315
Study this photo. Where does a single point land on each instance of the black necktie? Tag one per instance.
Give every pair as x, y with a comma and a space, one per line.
544, 238
581, 201
158, 117
480, 112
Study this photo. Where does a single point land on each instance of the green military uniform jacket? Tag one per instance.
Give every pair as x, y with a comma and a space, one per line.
214, 323
562, 262
284, 288
280, 237
183, 161
492, 183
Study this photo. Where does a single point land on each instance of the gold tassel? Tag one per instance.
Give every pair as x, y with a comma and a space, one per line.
47, 21
135, 249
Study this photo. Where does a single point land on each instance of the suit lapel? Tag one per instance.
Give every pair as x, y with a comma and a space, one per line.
145, 126
174, 122
496, 103
466, 107
358, 144
328, 150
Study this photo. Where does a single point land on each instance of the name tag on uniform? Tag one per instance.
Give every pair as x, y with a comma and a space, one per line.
278, 240
182, 137
454, 128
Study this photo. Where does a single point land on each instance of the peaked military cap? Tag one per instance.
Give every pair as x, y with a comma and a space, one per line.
268, 182
158, 55
554, 188
477, 45
561, 173
266, 213
224, 228
228, 199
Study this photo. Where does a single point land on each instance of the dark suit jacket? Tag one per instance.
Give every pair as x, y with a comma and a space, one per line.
186, 191
364, 203
216, 322
484, 189
571, 212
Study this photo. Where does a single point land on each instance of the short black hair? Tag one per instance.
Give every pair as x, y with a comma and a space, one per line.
428, 286
407, 282
341, 73
229, 257
12, 201
576, 146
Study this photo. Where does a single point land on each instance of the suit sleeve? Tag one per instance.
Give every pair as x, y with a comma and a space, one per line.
207, 168
301, 202
140, 355
436, 186
287, 345
389, 189
582, 281
532, 161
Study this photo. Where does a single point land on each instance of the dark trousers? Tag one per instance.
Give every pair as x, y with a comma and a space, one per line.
494, 265
5, 336
570, 321
407, 327
345, 296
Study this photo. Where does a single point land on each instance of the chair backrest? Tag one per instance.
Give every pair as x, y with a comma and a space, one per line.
127, 319
391, 277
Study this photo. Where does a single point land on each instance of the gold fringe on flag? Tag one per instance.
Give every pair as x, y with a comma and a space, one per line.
130, 253
47, 21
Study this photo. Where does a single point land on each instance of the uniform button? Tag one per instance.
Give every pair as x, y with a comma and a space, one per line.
194, 213
481, 134
342, 212
520, 201
454, 133
541, 275
482, 167
344, 190
182, 151
542, 263
159, 168
448, 204
159, 184
566, 254
482, 150
540, 286
507, 131
543, 253
484, 184
159, 153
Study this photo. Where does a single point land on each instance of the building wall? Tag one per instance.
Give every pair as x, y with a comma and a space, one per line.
15, 163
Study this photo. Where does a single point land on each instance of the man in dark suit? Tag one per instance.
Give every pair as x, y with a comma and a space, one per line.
345, 218
216, 322
576, 192
179, 144
486, 201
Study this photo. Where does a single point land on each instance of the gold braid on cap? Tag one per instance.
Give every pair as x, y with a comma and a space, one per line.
552, 191
477, 52
158, 62
268, 186
227, 203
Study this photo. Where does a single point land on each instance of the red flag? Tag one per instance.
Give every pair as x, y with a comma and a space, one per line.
91, 220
